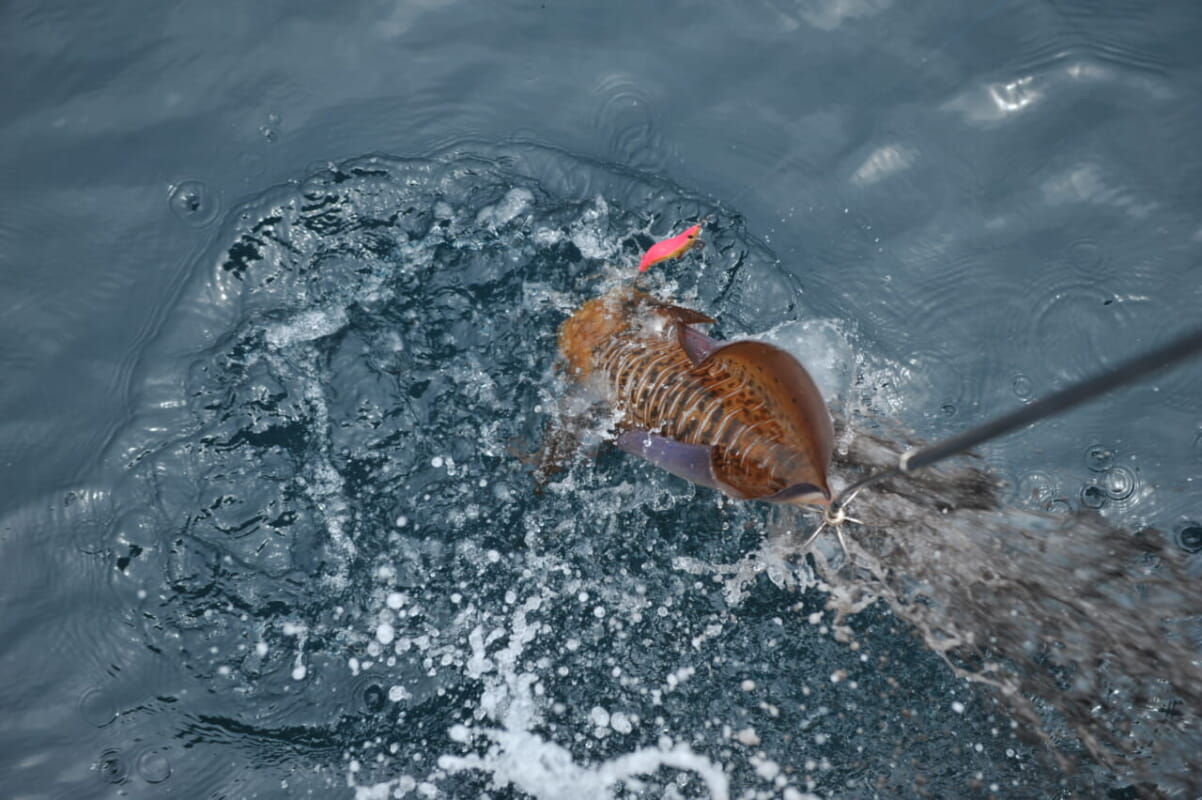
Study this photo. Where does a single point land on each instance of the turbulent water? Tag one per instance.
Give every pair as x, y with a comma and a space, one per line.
1089, 631
340, 579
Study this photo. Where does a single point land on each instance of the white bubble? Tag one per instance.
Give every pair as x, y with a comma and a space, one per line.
385, 633
765, 768
395, 600
748, 736
298, 672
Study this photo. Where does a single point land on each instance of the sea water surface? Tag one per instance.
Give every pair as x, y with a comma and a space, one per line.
279, 286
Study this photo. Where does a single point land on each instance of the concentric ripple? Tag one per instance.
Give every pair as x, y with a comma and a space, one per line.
625, 115
193, 203
153, 766
112, 766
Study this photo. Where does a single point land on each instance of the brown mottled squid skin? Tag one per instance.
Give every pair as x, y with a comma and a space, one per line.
743, 417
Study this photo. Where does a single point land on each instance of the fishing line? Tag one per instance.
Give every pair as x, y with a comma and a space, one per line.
1131, 370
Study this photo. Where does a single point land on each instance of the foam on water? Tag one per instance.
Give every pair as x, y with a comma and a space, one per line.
515, 756
306, 326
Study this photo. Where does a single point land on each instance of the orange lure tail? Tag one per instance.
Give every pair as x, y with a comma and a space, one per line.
670, 248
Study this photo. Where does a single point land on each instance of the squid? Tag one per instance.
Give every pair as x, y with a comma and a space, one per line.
742, 417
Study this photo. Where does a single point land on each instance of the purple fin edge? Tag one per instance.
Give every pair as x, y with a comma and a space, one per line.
696, 345
688, 461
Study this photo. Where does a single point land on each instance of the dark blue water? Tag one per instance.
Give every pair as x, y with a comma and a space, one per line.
278, 296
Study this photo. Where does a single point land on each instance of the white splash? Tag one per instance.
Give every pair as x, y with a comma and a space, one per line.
307, 326
513, 204
547, 771
516, 756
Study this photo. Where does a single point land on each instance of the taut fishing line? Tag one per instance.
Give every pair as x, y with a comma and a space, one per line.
1129, 371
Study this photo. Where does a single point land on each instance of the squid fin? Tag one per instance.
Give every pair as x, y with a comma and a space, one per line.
696, 344
806, 493
682, 315
689, 461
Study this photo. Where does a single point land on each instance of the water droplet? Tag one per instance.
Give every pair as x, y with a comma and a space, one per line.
112, 767
154, 767
948, 410
97, 707
374, 697
662, 500
1037, 488
1198, 447
192, 202
1022, 387
1058, 505
270, 129
1119, 482
1098, 458
1189, 537
1093, 496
